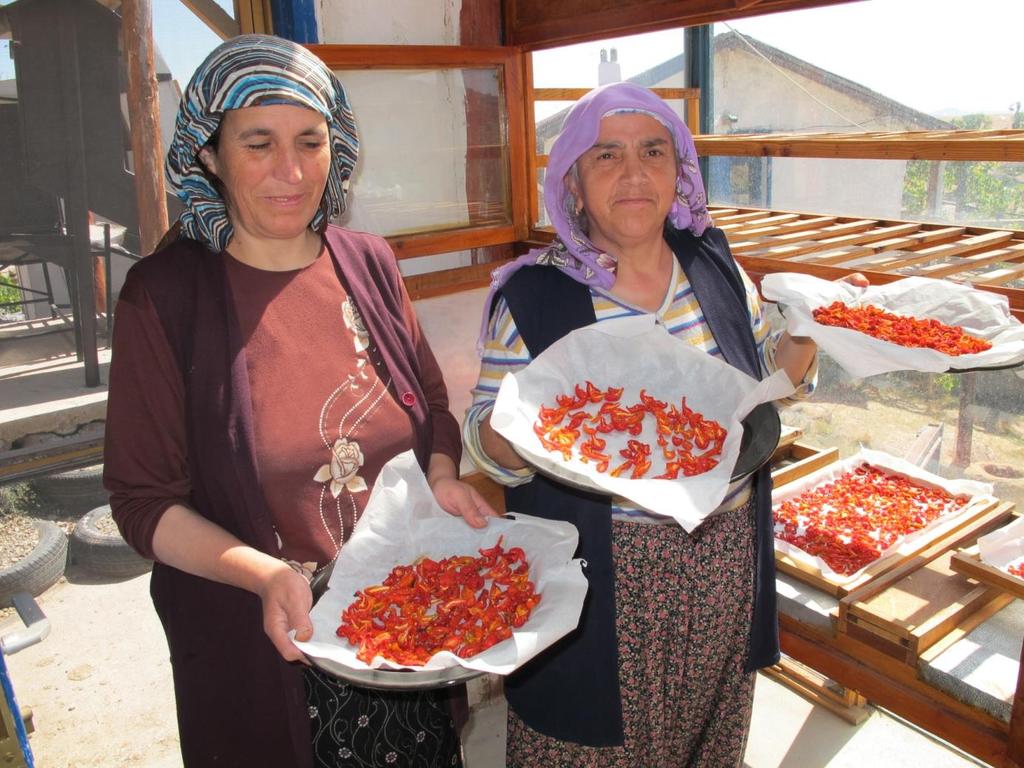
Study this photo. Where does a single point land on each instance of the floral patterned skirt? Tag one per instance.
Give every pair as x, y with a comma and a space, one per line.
684, 604
362, 728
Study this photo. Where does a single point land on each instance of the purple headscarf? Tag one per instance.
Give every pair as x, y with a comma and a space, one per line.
571, 251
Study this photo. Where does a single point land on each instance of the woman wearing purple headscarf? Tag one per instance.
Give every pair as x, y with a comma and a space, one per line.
660, 669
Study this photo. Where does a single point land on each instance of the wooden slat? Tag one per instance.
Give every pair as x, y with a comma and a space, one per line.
876, 247
722, 221
693, 115
430, 243
1001, 276
531, 141
789, 251
446, 281
895, 686
741, 227
214, 17
967, 245
969, 563
875, 235
574, 94
1000, 146
544, 24
967, 263
412, 56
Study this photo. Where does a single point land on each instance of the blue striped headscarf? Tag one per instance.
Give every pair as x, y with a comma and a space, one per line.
249, 71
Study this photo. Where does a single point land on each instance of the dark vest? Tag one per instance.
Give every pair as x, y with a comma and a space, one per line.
571, 692
239, 702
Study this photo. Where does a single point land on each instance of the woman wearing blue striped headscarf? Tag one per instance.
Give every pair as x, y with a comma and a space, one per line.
266, 365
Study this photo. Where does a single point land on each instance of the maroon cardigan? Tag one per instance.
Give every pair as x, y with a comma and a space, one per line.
239, 703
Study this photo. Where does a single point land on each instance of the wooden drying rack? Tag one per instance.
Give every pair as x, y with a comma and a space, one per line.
885, 250
995, 145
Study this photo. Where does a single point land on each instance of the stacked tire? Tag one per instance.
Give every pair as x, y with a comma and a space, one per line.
95, 544
39, 569
74, 492
98, 547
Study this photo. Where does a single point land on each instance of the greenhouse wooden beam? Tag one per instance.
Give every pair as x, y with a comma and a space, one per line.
1000, 146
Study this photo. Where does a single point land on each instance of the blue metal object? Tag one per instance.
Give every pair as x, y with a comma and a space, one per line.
294, 20
16, 724
37, 627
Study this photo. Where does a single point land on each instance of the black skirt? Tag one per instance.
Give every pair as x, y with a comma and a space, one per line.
356, 727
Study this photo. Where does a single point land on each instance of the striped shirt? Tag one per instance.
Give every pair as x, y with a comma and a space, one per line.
505, 352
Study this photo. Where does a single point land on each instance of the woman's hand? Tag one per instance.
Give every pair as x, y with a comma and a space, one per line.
795, 354
188, 541
855, 279
463, 500
287, 601
454, 496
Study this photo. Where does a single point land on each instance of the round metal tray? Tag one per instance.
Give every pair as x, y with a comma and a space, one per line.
999, 367
396, 679
761, 432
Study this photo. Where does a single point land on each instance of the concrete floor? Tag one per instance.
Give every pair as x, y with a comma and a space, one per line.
100, 688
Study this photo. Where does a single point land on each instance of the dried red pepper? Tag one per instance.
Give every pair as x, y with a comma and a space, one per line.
1016, 569
900, 329
462, 604
852, 520
690, 444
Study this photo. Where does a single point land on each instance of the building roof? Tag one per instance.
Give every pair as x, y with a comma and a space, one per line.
734, 41
549, 126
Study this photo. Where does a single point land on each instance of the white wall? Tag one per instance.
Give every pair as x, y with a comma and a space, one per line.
389, 22
762, 97
406, 157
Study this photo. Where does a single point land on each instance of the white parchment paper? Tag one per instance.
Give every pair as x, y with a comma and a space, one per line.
978, 312
634, 353
403, 522
1004, 546
979, 493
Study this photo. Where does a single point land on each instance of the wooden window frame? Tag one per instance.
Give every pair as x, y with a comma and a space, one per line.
510, 62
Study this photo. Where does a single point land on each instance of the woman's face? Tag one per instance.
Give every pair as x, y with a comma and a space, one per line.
626, 181
273, 162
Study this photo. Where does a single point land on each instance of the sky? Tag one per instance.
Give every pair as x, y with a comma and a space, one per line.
927, 54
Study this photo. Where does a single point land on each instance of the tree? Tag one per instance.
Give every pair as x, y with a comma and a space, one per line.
980, 191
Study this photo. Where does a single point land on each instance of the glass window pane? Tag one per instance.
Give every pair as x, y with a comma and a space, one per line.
868, 66
982, 430
982, 194
433, 150
652, 59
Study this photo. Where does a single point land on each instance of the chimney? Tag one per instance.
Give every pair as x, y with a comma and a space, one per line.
609, 71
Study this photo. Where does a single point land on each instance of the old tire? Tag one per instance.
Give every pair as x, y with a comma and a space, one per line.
75, 491
103, 553
39, 569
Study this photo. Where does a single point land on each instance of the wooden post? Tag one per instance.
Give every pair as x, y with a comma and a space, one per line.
1015, 739
965, 421
935, 188
480, 25
144, 114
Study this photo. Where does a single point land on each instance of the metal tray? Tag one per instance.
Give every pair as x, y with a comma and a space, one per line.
761, 432
396, 679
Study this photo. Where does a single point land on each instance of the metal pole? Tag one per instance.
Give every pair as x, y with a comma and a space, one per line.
698, 73
144, 114
77, 202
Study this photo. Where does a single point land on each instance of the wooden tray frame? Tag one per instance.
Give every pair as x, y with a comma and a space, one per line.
968, 562
810, 459
905, 640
